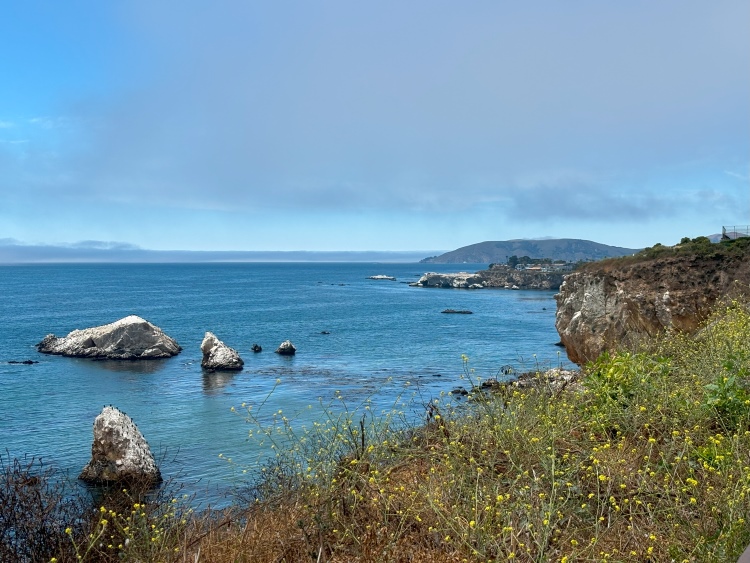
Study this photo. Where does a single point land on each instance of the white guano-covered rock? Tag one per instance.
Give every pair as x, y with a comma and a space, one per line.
217, 356
130, 338
286, 348
119, 452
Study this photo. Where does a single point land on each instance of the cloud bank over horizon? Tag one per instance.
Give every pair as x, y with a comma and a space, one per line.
390, 126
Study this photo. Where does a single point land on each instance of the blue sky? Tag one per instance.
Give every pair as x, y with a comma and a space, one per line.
334, 125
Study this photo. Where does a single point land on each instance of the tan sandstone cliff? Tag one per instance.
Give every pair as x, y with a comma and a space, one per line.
619, 302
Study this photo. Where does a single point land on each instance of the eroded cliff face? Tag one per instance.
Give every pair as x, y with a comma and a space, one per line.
614, 304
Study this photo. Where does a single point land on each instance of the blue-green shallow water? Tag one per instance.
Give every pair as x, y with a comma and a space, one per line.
386, 340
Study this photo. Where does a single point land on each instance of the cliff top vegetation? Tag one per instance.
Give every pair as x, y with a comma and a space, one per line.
700, 248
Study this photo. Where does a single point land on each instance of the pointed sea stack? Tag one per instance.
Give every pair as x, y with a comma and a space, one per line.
119, 452
217, 356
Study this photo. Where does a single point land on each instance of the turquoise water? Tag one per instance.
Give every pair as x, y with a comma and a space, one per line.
387, 340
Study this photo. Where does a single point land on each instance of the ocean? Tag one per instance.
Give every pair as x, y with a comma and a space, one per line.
388, 343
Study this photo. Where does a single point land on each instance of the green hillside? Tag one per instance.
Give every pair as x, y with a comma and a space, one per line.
571, 250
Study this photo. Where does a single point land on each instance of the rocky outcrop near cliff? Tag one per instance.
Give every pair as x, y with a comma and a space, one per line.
130, 338
497, 276
217, 356
459, 280
618, 303
119, 452
502, 276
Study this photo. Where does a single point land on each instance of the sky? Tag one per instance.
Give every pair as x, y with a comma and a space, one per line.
389, 125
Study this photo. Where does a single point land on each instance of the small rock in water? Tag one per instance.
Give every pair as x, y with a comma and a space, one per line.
24, 362
324, 332
286, 348
218, 356
256, 348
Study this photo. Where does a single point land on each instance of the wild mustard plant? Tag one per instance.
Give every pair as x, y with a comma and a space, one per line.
144, 530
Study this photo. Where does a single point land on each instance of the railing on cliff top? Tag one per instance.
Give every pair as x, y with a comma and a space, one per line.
735, 232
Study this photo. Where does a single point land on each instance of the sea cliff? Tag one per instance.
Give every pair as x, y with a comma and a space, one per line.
618, 302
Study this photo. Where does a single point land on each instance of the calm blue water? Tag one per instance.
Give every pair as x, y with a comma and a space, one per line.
386, 340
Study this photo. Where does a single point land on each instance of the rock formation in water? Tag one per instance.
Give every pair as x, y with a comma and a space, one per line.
617, 303
503, 276
497, 276
217, 356
459, 280
382, 277
119, 452
131, 338
286, 348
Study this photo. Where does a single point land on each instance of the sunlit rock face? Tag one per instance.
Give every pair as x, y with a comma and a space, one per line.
119, 452
610, 305
286, 348
459, 280
217, 356
130, 338
496, 276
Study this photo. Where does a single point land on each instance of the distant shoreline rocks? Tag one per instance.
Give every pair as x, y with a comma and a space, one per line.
498, 276
382, 277
459, 280
130, 338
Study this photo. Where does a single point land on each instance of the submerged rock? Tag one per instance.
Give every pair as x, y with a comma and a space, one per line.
119, 452
218, 356
457, 312
130, 338
286, 348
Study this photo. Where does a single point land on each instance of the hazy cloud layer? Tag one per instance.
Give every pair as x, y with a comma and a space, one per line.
573, 110
16, 252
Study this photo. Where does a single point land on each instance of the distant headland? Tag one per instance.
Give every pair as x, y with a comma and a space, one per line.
565, 249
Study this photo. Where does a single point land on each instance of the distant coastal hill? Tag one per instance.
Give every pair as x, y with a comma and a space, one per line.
568, 249
16, 252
